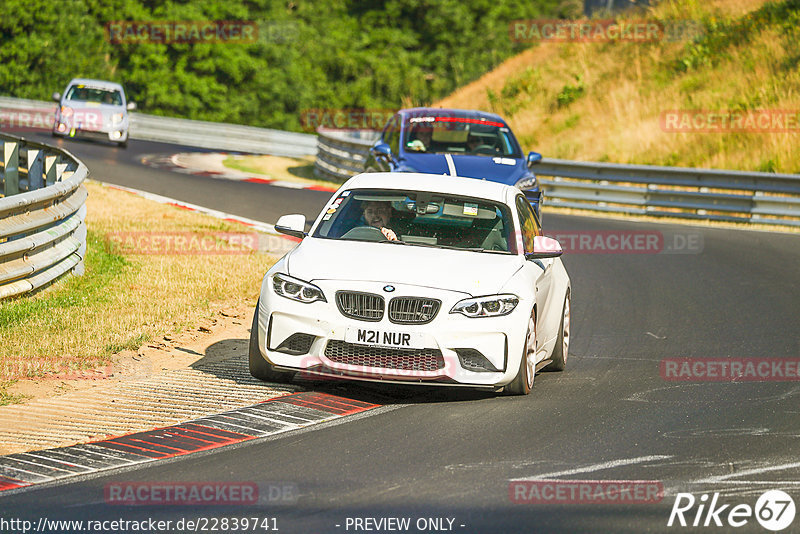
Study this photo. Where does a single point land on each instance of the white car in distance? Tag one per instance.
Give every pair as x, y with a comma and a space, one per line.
428, 279
93, 108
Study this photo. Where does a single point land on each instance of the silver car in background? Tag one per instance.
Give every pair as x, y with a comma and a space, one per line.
93, 108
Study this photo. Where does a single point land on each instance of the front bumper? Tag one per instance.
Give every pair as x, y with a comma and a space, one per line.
451, 349
117, 133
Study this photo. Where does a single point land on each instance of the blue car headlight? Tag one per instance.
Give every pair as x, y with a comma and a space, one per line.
527, 182
296, 289
489, 306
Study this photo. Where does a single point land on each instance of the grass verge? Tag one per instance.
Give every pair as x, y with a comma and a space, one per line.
125, 298
279, 168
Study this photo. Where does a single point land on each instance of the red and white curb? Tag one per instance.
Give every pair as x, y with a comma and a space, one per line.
268, 418
210, 164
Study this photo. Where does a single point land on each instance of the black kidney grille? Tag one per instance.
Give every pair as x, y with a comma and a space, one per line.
362, 306
413, 310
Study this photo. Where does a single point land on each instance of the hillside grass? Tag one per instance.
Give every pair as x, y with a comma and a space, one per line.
603, 101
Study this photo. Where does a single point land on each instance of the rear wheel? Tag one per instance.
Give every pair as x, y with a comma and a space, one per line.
523, 382
259, 367
561, 350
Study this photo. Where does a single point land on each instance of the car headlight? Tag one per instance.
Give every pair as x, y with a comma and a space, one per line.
116, 118
66, 111
294, 289
491, 306
527, 182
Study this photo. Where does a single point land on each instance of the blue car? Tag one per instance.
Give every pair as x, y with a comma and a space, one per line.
471, 144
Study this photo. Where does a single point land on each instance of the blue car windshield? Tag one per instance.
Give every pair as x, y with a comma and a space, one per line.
420, 218
459, 135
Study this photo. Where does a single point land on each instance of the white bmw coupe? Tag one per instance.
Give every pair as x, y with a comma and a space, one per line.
424, 279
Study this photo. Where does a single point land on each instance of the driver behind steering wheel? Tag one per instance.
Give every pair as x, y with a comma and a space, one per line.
378, 215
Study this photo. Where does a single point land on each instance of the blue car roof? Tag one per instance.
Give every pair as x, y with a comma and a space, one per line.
466, 113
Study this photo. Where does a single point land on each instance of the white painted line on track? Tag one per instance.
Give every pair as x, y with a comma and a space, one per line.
597, 467
725, 478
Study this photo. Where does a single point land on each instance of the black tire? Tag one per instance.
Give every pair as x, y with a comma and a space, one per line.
561, 350
259, 367
523, 382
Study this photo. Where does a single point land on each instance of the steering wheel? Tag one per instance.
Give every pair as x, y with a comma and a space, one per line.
365, 233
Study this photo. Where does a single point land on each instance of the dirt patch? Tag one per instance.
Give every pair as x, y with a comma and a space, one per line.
209, 341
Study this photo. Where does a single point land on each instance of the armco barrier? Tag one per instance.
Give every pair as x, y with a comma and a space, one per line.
213, 135
678, 192
42, 233
340, 155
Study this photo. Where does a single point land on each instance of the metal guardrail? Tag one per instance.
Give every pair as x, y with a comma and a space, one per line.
341, 155
212, 135
42, 212
708, 194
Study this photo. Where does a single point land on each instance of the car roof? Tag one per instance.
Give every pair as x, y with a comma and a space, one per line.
99, 84
435, 183
451, 112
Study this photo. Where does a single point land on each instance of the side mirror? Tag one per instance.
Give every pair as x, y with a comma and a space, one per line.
544, 247
534, 158
293, 225
131, 106
57, 97
382, 150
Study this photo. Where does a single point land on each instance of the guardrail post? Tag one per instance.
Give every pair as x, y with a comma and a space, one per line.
60, 168
80, 234
10, 168
50, 169
35, 169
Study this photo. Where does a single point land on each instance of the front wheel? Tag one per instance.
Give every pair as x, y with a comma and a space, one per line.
561, 350
523, 382
259, 367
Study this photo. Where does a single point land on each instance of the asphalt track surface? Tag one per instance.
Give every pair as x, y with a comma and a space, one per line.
447, 453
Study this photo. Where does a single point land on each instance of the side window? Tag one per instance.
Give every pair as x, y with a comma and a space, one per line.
527, 222
391, 135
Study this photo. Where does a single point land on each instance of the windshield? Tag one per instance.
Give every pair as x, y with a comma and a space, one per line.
81, 93
459, 135
421, 219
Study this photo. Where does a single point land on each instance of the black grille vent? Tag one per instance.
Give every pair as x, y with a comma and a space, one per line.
362, 306
386, 358
413, 310
296, 344
474, 360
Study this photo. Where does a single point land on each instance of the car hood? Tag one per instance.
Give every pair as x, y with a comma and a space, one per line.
102, 109
496, 169
475, 273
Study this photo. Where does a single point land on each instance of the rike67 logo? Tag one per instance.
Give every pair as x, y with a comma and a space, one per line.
774, 510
